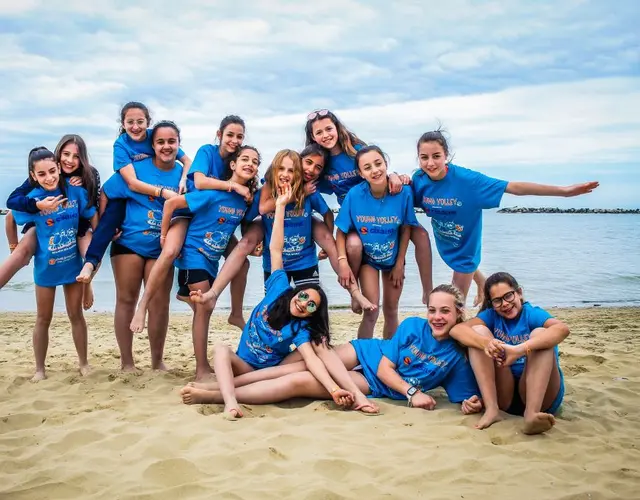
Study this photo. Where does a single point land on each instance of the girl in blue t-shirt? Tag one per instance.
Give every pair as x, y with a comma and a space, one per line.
57, 257
134, 144
133, 254
341, 174
454, 197
215, 216
72, 158
209, 171
421, 356
520, 373
384, 224
286, 316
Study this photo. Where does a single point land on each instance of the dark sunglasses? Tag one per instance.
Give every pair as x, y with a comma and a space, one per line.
507, 297
314, 114
310, 305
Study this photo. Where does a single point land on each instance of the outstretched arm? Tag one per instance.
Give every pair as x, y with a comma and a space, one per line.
128, 173
276, 245
533, 189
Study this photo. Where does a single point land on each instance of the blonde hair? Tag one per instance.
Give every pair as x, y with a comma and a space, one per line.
458, 299
297, 184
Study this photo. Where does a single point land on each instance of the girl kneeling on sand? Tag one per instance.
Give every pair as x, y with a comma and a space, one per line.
525, 378
421, 356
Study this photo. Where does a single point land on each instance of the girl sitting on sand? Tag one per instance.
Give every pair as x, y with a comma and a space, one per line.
454, 197
384, 224
421, 356
134, 143
57, 258
522, 374
285, 316
341, 174
73, 160
216, 215
209, 171
134, 253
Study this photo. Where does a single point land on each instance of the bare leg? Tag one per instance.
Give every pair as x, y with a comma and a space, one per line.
354, 258
73, 295
45, 297
539, 387
200, 334
390, 299
20, 257
227, 364
422, 245
370, 282
237, 286
87, 294
128, 272
463, 282
158, 314
163, 264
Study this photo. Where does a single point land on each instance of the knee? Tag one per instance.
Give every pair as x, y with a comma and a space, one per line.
482, 330
44, 319
390, 310
128, 300
221, 350
247, 244
172, 251
537, 332
75, 315
419, 235
23, 254
354, 244
370, 316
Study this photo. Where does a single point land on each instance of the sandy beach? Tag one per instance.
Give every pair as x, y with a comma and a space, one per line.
129, 436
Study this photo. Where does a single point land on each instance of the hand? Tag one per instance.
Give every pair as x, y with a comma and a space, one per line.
342, 398
396, 276
50, 203
242, 191
322, 255
345, 275
117, 235
578, 189
310, 187
512, 354
422, 400
167, 194
471, 405
197, 296
395, 184
284, 195
75, 181
494, 349
182, 186
258, 250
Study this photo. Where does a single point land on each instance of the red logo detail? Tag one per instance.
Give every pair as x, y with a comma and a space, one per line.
221, 220
50, 222
363, 230
52, 262
407, 360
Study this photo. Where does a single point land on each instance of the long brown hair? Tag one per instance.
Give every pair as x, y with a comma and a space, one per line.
347, 139
85, 170
297, 185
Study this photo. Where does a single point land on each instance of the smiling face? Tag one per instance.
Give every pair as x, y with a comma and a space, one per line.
135, 124
69, 158
246, 165
442, 314
325, 133
433, 160
506, 301
373, 168
305, 303
312, 167
165, 145
230, 138
46, 173
284, 173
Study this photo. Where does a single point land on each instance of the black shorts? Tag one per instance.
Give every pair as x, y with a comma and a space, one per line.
118, 249
301, 277
188, 277
83, 226
517, 406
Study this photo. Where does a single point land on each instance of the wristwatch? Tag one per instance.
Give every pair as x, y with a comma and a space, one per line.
410, 392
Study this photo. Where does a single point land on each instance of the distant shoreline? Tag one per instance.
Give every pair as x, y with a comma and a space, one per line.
552, 210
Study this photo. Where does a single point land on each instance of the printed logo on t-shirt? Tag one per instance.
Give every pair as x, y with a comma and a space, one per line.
364, 230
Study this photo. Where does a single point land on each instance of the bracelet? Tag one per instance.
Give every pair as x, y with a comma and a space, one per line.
161, 191
334, 390
215, 294
158, 191
528, 351
229, 188
12, 246
163, 236
342, 257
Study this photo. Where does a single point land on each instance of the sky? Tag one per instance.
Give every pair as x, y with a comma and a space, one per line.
535, 91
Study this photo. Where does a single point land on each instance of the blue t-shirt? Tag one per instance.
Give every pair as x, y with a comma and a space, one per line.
126, 150
216, 215
143, 219
455, 205
340, 175
377, 221
57, 259
260, 345
420, 360
299, 250
208, 162
517, 330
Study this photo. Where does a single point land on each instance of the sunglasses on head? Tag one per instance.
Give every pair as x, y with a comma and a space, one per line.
321, 112
310, 305
507, 297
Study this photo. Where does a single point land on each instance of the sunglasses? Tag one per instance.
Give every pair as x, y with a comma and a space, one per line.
321, 112
507, 297
310, 305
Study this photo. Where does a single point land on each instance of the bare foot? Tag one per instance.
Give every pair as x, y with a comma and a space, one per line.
237, 321
362, 301
205, 376
161, 367
85, 370
355, 305
86, 274
207, 386
128, 369
139, 320
538, 423
232, 412
479, 296
366, 407
489, 418
181, 298
195, 396
87, 297
39, 375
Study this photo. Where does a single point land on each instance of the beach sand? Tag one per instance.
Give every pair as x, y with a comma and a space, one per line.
129, 436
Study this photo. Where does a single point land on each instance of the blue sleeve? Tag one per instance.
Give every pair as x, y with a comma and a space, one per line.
201, 162
23, 218
487, 190
403, 337
318, 204
180, 153
254, 209
409, 212
116, 187
487, 316
416, 188
18, 200
538, 317
199, 200
121, 157
324, 186
277, 283
85, 210
302, 337
343, 221
461, 384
